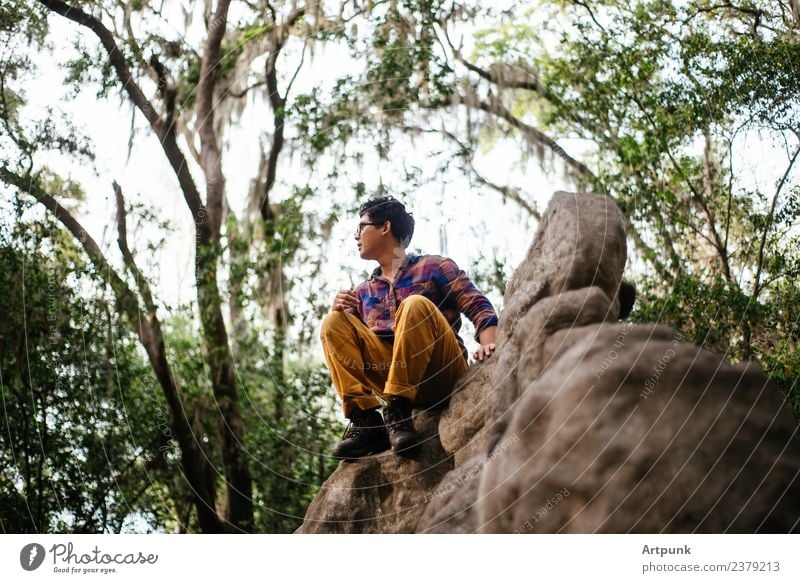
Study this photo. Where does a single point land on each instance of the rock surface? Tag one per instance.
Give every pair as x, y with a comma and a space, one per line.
580, 423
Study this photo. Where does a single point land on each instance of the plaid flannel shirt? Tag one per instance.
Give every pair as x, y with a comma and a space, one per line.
437, 278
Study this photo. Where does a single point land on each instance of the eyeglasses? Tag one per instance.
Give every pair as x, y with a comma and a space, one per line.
362, 225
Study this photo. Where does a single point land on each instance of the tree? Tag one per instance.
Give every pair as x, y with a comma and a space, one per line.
189, 94
173, 69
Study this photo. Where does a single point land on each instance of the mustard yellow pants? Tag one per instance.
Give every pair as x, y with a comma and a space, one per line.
422, 364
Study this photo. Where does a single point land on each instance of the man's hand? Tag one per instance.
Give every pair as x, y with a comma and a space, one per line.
346, 298
487, 339
484, 350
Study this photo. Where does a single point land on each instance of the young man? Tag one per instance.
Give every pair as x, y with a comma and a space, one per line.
396, 335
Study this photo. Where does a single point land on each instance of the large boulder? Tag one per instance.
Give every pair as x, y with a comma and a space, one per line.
580, 423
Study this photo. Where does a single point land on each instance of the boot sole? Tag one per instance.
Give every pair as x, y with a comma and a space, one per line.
407, 447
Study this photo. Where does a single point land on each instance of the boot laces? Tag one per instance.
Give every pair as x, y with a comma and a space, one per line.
398, 418
359, 426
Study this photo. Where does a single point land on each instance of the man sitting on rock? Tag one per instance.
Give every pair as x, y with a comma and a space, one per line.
396, 335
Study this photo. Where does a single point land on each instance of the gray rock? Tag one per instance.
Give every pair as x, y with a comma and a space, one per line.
645, 433
580, 245
451, 505
468, 408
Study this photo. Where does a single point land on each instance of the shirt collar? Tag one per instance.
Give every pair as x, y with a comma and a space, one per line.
410, 258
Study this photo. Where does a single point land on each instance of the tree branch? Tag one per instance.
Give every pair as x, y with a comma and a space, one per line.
165, 132
127, 256
507, 191
498, 73
210, 155
129, 84
697, 197
167, 92
188, 136
246, 90
591, 14
762, 245
650, 254
278, 38
296, 71
756, 13
530, 133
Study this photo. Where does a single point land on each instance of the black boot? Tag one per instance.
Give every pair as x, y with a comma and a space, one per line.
402, 435
365, 435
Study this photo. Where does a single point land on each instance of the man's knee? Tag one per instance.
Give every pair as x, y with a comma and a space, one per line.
417, 302
333, 321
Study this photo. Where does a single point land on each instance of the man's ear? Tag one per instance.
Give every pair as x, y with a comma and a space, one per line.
387, 229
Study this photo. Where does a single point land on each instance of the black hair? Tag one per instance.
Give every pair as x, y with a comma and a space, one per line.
387, 208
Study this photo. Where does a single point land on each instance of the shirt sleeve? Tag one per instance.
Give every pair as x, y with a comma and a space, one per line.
458, 288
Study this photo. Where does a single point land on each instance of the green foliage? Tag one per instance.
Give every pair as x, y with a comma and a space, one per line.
84, 70
720, 317
63, 187
288, 230
18, 16
292, 429
232, 50
289, 423
79, 438
401, 56
403, 74
326, 121
187, 84
490, 275
22, 29
508, 42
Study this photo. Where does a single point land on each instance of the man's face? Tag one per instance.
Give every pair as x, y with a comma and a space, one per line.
368, 237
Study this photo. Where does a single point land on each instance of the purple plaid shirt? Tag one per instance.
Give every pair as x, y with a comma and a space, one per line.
437, 278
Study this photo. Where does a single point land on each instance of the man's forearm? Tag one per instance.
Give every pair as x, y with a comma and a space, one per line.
488, 335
